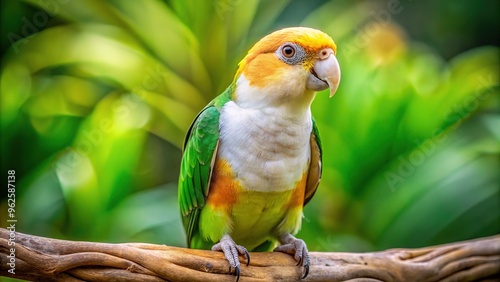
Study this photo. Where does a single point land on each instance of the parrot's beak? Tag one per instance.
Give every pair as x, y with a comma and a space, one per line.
325, 73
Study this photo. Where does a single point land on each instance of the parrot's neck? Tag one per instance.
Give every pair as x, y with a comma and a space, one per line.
288, 99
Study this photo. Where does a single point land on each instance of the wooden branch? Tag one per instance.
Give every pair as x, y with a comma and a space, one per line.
45, 259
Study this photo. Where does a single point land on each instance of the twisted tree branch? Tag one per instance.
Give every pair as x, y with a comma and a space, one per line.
45, 259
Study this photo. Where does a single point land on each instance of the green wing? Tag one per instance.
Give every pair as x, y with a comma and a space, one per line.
200, 149
315, 170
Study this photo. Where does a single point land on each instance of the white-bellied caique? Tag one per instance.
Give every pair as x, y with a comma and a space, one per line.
252, 157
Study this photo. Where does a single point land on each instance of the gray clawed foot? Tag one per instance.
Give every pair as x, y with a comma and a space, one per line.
231, 252
298, 249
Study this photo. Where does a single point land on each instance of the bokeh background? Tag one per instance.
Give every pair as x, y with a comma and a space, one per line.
96, 97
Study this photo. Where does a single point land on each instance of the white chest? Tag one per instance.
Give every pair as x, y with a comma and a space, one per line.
268, 149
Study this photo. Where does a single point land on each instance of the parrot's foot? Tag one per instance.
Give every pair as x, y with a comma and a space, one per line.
297, 247
231, 251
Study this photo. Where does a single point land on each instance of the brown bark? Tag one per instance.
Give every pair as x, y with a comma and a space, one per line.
45, 259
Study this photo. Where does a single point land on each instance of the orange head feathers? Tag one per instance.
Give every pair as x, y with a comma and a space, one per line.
312, 40
293, 62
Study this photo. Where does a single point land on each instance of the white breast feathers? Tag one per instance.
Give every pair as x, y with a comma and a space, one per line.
268, 149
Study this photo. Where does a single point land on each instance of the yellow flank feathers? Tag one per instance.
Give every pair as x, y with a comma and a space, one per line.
256, 215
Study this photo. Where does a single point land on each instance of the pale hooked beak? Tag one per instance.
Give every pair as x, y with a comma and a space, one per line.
325, 73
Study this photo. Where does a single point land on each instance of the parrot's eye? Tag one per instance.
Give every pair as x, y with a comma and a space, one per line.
291, 53
288, 51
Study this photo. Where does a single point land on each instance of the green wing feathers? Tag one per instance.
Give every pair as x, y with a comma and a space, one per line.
196, 166
200, 149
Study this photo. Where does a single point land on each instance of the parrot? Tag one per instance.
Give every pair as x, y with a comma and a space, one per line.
252, 158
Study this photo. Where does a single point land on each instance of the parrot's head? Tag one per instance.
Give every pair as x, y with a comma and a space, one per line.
288, 66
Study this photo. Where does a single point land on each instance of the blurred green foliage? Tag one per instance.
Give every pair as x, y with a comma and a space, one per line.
97, 96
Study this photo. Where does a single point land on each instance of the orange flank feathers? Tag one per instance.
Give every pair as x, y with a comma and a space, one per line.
297, 197
223, 187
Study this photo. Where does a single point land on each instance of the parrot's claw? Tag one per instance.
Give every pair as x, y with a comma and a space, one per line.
247, 255
236, 272
297, 247
231, 252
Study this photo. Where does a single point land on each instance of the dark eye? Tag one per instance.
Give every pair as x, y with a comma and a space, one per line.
288, 51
